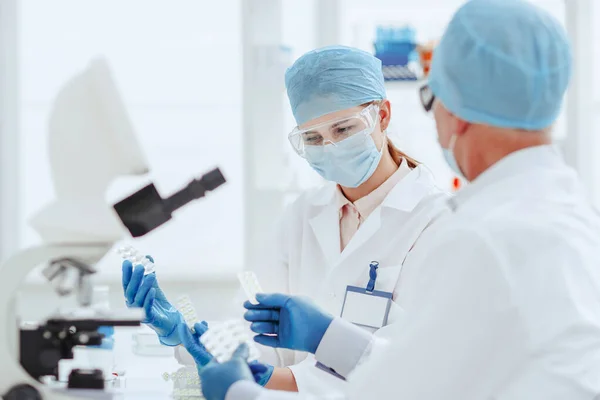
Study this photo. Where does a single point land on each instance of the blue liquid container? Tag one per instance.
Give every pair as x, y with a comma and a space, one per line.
395, 46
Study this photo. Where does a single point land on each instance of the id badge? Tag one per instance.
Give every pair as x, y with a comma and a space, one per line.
367, 309
364, 307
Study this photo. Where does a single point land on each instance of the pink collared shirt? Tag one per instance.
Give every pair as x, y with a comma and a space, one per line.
352, 215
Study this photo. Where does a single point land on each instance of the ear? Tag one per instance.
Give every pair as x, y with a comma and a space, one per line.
385, 114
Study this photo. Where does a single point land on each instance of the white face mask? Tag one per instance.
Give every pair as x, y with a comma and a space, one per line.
450, 159
350, 163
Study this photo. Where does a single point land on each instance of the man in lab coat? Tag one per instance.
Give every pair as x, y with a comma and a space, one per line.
502, 298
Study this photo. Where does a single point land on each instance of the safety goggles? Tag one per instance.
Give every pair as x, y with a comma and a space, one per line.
427, 97
332, 132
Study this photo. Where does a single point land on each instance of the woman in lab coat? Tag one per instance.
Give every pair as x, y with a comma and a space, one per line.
376, 205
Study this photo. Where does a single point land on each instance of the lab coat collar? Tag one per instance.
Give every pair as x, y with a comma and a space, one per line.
403, 198
409, 192
405, 195
515, 164
325, 195
325, 223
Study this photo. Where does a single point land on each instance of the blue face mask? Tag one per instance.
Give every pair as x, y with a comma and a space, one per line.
450, 159
350, 162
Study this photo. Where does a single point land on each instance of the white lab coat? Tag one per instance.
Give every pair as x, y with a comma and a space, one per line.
502, 298
307, 259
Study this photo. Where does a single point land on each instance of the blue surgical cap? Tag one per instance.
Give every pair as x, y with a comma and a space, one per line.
505, 63
331, 79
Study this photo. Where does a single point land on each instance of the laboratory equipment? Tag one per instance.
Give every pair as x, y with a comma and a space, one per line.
91, 143
100, 356
146, 210
223, 338
426, 56
250, 285
186, 308
395, 47
136, 258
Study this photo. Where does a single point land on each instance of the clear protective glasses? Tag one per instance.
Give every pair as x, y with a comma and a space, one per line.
332, 132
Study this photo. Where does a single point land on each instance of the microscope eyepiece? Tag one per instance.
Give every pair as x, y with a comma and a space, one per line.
146, 210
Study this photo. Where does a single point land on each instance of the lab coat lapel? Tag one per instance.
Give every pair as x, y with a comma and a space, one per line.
403, 199
326, 225
410, 191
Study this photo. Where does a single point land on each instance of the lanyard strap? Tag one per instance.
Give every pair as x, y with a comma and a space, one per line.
372, 275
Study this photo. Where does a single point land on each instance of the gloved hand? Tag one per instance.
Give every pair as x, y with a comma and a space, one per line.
261, 372
143, 292
289, 322
192, 344
217, 378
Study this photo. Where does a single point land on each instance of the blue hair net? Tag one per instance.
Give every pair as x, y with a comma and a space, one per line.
504, 63
331, 79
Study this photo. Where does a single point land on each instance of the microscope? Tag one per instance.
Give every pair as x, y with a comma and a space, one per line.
92, 143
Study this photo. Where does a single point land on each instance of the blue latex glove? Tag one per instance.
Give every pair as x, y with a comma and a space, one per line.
143, 292
191, 342
217, 378
261, 372
289, 322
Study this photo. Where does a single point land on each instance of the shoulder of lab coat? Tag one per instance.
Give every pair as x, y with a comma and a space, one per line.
445, 347
502, 309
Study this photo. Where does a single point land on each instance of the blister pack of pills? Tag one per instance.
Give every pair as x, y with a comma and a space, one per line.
186, 308
137, 258
250, 284
223, 338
